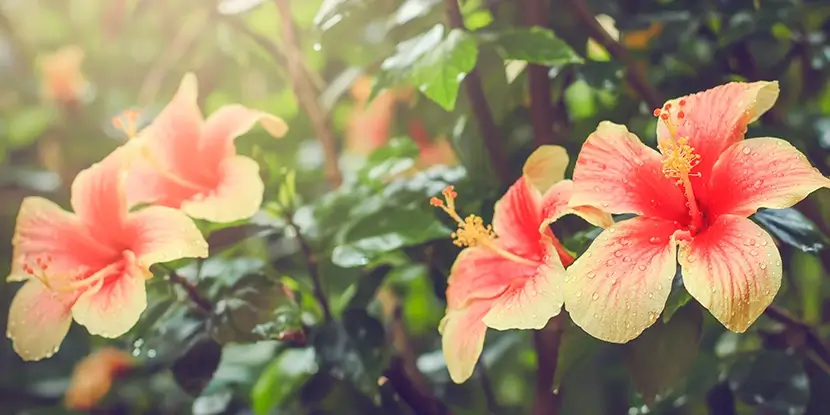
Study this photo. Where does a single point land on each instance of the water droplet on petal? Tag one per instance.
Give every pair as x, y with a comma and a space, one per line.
595, 296
591, 275
762, 265
747, 150
654, 239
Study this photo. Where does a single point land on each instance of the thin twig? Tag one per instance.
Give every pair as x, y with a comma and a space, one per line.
189, 288
541, 107
487, 387
307, 96
486, 125
420, 403
636, 73
813, 342
313, 269
547, 342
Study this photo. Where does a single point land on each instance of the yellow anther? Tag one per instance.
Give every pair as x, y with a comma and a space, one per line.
472, 232
679, 158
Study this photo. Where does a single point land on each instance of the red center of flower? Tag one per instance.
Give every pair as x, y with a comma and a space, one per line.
40, 265
679, 158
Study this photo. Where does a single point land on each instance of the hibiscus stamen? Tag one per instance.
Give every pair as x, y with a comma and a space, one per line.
679, 158
127, 122
41, 265
471, 230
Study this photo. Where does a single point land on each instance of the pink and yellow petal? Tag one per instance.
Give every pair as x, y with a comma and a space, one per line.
733, 268
545, 167
761, 172
238, 195
229, 122
620, 285
529, 304
161, 234
482, 274
617, 173
517, 217
112, 308
98, 194
462, 339
556, 203
38, 320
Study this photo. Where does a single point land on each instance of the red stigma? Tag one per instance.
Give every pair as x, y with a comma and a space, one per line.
664, 116
435, 201
657, 112
680, 114
667, 107
682, 102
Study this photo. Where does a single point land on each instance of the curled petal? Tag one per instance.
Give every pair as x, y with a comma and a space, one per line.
237, 195
112, 308
530, 304
620, 285
481, 274
38, 320
716, 118
761, 172
617, 173
546, 166
229, 122
517, 217
161, 234
556, 203
462, 339
733, 268
44, 230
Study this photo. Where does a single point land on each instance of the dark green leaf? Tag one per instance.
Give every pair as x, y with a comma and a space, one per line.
664, 352
773, 382
365, 288
194, 368
28, 124
327, 393
792, 228
353, 348
282, 379
576, 346
534, 45
677, 298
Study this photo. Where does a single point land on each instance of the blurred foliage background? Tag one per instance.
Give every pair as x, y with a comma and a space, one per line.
388, 102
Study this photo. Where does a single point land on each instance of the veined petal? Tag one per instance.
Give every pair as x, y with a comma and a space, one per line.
732, 268
38, 320
517, 217
237, 195
480, 273
617, 173
161, 234
98, 195
229, 122
556, 203
716, 118
112, 308
530, 304
761, 172
462, 339
620, 285
545, 167
46, 231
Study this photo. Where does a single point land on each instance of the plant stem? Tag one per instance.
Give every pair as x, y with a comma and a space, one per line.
307, 96
189, 288
547, 342
541, 107
812, 341
486, 125
636, 72
313, 270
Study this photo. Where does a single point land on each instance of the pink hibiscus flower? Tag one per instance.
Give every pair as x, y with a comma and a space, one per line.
191, 163
510, 275
695, 194
90, 265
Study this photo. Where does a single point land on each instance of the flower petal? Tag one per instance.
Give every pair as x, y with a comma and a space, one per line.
238, 195
161, 234
480, 273
112, 308
556, 203
732, 268
619, 286
529, 305
546, 166
229, 122
98, 195
462, 339
617, 173
717, 118
38, 320
517, 217
761, 172
44, 230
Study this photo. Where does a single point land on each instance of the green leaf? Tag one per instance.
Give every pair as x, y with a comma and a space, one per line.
282, 379
792, 228
662, 355
677, 298
575, 348
256, 308
434, 63
353, 348
27, 125
194, 368
773, 382
365, 288
535, 45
